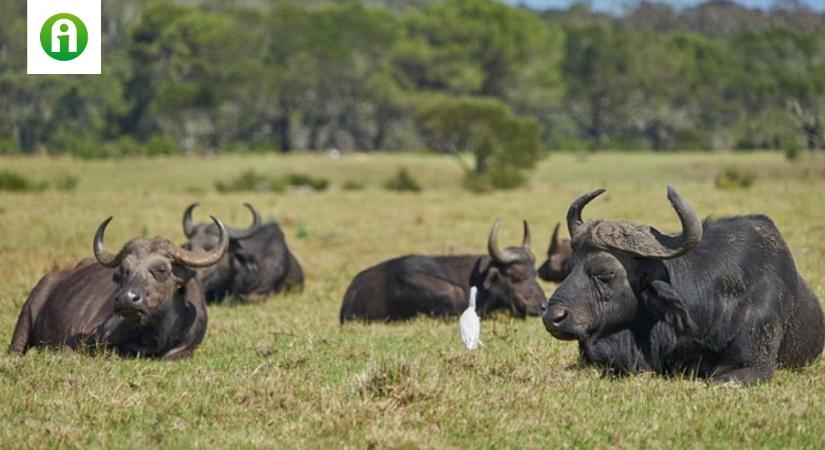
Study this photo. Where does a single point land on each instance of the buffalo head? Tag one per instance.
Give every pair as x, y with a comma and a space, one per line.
556, 267
616, 271
150, 272
510, 281
205, 237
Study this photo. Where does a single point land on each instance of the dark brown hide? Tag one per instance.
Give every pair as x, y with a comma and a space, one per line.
148, 304
439, 286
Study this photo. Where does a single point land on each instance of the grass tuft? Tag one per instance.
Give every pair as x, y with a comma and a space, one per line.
14, 182
252, 181
734, 179
403, 181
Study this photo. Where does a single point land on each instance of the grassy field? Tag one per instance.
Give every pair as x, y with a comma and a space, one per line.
284, 374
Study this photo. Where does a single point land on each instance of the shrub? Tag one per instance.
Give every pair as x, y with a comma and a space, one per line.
128, 146
247, 181
158, 145
252, 181
9, 146
353, 185
402, 182
13, 182
300, 180
65, 182
496, 179
79, 145
793, 151
734, 179
506, 177
477, 183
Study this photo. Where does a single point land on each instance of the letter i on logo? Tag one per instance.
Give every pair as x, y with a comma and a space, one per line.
63, 37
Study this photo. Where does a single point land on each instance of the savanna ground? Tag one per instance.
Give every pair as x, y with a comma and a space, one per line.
283, 373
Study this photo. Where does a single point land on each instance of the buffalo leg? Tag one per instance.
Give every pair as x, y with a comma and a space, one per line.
294, 279
756, 350
178, 353
745, 375
441, 298
195, 318
21, 338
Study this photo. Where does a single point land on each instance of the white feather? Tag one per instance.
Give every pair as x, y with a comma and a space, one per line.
469, 325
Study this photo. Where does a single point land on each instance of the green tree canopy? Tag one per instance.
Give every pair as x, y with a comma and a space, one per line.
501, 142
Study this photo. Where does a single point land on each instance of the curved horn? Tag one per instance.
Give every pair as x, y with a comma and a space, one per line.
103, 256
648, 242
554, 240
188, 226
252, 229
526, 240
492, 246
202, 259
574, 213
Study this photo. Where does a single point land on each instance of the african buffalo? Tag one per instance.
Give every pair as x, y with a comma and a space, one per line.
404, 287
556, 267
142, 301
258, 261
722, 301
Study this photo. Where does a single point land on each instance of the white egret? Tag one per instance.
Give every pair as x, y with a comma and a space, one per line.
469, 325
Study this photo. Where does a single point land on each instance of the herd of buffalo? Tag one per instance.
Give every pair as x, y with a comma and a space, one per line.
720, 300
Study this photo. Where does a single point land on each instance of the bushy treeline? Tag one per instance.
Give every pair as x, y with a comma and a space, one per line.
455, 75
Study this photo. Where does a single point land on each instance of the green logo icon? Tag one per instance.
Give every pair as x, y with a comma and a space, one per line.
64, 37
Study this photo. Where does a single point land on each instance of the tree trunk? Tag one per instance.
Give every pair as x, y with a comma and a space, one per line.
282, 128
380, 135
596, 127
315, 128
813, 133
27, 136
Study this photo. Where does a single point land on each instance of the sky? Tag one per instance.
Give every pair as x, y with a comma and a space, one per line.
616, 5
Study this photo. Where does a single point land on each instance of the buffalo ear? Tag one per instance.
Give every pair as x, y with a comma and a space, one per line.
183, 273
492, 275
663, 302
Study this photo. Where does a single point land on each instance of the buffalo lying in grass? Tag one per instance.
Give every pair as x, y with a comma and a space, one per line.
142, 301
557, 266
723, 300
257, 263
439, 286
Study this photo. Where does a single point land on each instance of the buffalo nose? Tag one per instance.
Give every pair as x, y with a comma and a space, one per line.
129, 296
555, 315
133, 297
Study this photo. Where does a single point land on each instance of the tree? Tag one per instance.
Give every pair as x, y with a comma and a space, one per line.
479, 47
193, 63
595, 70
786, 68
334, 76
502, 143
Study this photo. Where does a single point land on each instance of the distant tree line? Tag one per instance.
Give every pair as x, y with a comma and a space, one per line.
453, 75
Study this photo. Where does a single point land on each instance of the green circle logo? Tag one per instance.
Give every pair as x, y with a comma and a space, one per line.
64, 37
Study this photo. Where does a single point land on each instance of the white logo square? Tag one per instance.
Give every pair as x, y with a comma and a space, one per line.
63, 37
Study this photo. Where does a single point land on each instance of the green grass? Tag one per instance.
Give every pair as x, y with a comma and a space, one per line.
284, 373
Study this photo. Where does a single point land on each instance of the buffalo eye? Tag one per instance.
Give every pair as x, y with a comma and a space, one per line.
160, 272
121, 274
605, 277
